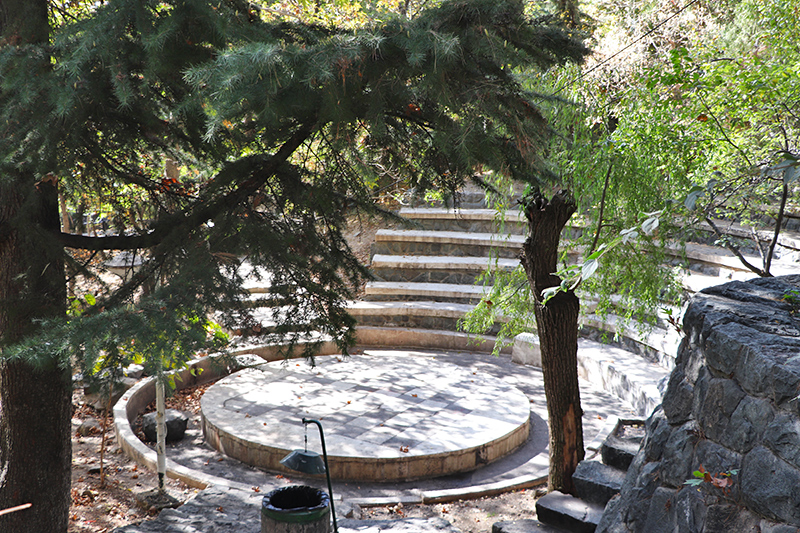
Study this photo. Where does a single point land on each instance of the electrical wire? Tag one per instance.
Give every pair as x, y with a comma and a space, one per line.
618, 52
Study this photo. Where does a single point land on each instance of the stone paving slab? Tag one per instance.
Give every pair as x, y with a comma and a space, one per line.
386, 417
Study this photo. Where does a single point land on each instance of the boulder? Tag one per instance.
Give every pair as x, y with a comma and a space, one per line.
175, 421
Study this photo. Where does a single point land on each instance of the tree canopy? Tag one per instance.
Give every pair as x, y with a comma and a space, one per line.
218, 139
278, 128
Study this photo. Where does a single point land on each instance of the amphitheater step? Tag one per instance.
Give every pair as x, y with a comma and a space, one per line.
568, 512
525, 526
624, 374
417, 314
657, 345
470, 220
597, 482
623, 443
408, 291
435, 269
450, 243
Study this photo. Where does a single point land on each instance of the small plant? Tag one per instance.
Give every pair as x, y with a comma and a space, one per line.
792, 297
722, 480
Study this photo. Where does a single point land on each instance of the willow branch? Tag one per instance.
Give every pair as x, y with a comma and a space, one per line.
735, 250
602, 208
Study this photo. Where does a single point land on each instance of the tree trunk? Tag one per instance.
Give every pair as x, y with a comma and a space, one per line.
569, 12
557, 324
35, 400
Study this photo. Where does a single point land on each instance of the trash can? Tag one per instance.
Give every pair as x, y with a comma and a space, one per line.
296, 509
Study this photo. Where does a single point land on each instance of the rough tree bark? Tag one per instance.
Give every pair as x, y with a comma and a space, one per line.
557, 324
35, 401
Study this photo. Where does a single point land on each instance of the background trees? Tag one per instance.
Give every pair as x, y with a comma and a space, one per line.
271, 132
683, 121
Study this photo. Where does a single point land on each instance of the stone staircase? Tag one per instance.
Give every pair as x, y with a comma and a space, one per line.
596, 480
425, 283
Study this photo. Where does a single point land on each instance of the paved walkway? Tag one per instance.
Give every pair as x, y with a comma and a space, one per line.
235, 494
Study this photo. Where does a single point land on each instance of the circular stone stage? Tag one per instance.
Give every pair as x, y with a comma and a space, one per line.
386, 417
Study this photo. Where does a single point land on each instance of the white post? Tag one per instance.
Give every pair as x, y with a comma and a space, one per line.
161, 434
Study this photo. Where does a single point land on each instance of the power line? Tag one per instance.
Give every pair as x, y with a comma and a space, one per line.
653, 29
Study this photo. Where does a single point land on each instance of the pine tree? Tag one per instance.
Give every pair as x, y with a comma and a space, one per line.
279, 130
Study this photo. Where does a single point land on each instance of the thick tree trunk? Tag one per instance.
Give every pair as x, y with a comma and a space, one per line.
35, 400
557, 324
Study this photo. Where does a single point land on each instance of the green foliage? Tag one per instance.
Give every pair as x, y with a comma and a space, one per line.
722, 481
721, 105
275, 131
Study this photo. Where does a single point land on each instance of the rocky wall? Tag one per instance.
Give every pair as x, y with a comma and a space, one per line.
732, 407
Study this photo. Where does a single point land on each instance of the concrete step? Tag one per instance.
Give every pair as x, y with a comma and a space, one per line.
425, 315
525, 526
623, 443
596, 482
426, 339
568, 512
449, 243
469, 220
657, 345
435, 269
626, 375
436, 292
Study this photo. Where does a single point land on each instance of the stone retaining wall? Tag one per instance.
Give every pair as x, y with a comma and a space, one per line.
731, 406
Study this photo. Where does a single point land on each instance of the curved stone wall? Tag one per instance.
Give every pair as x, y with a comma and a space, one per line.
732, 407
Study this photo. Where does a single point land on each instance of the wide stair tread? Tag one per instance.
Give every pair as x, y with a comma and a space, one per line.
441, 262
407, 290
477, 220
454, 237
525, 526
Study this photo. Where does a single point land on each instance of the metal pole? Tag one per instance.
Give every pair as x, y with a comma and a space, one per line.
327, 470
161, 434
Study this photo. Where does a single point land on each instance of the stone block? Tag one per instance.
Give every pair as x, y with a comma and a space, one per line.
661, 513
567, 512
717, 459
597, 482
771, 486
782, 436
524, 526
678, 398
747, 424
722, 399
657, 431
678, 450
621, 446
726, 518
526, 350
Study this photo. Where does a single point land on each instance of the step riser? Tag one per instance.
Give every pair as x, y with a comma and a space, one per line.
460, 277
443, 248
471, 226
416, 322
597, 482
420, 298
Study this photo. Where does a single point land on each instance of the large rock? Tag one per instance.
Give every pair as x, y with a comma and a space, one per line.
176, 423
731, 407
